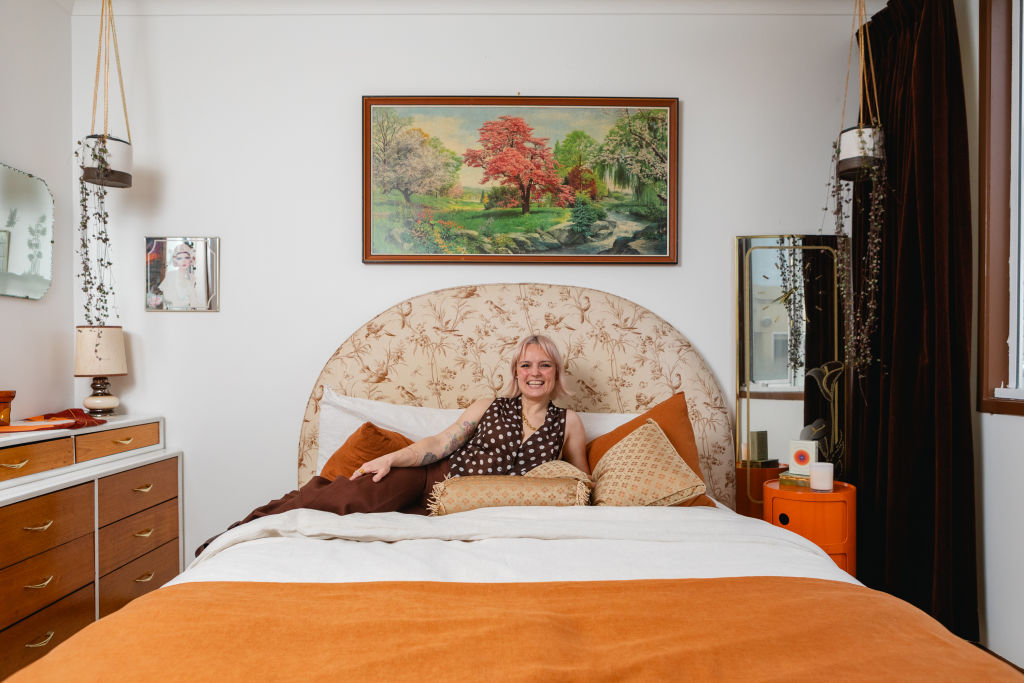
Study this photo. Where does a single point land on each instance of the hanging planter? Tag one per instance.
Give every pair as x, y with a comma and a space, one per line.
862, 147
859, 156
108, 159
860, 150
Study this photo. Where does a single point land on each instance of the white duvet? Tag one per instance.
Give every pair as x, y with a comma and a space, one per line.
510, 544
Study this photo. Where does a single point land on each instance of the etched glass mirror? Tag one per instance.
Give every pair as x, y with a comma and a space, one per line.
26, 234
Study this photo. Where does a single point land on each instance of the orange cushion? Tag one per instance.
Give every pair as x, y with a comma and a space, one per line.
673, 417
365, 444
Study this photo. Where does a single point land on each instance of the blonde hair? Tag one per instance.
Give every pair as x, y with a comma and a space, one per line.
511, 388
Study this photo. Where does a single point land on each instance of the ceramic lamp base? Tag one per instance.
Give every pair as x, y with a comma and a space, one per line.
101, 401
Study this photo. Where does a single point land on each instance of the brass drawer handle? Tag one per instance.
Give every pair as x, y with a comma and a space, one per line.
17, 466
39, 528
125, 442
44, 584
148, 576
144, 534
42, 643
143, 489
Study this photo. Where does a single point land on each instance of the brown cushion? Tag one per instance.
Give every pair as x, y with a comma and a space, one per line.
644, 469
673, 417
364, 444
458, 494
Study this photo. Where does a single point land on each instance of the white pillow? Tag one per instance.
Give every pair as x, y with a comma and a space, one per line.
596, 424
341, 415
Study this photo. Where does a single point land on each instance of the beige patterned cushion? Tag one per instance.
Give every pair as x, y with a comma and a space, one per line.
644, 469
555, 469
458, 494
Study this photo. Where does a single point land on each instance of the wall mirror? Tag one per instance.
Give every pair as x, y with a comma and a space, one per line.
26, 234
788, 322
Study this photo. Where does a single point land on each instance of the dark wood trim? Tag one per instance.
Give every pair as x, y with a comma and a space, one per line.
773, 395
996, 68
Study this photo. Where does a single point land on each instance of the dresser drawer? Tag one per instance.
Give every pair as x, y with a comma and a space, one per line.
132, 537
111, 441
138, 577
31, 638
34, 583
17, 461
129, 492
32, 526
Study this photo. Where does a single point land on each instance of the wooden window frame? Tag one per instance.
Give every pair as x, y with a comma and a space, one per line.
995, 106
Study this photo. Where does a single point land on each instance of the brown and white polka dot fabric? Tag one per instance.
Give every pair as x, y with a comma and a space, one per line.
497, 446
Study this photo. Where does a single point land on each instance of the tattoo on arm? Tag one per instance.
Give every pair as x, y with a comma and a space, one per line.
455, 440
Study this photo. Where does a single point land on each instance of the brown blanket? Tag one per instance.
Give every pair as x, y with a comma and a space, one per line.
760, 628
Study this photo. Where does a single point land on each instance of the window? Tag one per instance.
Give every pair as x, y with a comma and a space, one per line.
1000, 368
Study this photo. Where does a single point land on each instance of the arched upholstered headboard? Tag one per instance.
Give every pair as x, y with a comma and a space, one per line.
450, 347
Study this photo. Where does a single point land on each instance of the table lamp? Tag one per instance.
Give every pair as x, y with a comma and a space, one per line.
99, 353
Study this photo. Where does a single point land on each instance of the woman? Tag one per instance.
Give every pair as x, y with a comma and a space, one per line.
179, 287
509, 435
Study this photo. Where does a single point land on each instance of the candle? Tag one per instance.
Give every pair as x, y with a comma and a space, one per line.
821, 476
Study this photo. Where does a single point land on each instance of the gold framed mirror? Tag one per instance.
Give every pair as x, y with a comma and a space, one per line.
788, 323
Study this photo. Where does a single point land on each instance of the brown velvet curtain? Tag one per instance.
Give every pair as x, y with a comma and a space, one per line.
910, 422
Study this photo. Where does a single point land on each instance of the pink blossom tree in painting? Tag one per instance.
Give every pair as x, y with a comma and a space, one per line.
511, 156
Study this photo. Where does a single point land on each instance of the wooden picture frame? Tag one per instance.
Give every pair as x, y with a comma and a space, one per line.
183, 274
520, 179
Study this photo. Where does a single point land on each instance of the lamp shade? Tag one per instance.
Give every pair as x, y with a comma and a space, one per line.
99, 351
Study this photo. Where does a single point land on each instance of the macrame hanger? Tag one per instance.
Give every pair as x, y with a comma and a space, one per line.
108, 35
866, 66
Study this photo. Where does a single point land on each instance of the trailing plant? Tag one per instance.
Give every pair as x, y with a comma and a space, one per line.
859, 305
791, 271
93, 238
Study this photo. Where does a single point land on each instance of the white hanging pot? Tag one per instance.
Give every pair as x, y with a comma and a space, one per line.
860, 149
118, 170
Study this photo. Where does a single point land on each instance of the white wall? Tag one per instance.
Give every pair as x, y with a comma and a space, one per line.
246, 123
998, 439
263, 151
35, 101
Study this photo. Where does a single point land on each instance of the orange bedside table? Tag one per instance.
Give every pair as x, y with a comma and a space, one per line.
827, 519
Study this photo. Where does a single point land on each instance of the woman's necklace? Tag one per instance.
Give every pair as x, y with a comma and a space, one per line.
522, 411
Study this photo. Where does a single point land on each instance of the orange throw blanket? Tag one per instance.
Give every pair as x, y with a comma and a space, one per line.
707, 629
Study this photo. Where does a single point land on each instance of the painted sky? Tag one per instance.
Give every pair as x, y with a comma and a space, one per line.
459, 126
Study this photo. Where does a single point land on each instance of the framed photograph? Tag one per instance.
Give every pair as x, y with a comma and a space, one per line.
520, 179
5, 249
182, 273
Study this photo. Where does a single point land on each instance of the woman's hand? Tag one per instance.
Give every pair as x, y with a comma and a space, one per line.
378, 467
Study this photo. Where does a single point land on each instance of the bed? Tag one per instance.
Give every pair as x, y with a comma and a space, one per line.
517, 592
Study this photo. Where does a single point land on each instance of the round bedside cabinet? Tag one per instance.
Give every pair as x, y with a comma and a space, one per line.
829, 519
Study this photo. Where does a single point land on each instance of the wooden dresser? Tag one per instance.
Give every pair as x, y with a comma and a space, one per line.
89, 520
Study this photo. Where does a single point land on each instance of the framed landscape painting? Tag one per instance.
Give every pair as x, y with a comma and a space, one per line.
520, 179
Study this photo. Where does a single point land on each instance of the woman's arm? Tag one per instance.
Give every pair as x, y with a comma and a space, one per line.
429, 449
574, 448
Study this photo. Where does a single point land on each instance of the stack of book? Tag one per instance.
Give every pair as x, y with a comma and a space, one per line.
793, 479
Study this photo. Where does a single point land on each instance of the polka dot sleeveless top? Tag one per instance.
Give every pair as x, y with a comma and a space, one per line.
497, 446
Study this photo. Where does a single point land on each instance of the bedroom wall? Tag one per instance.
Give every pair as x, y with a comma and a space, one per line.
35, 89
263, 151
246, 121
